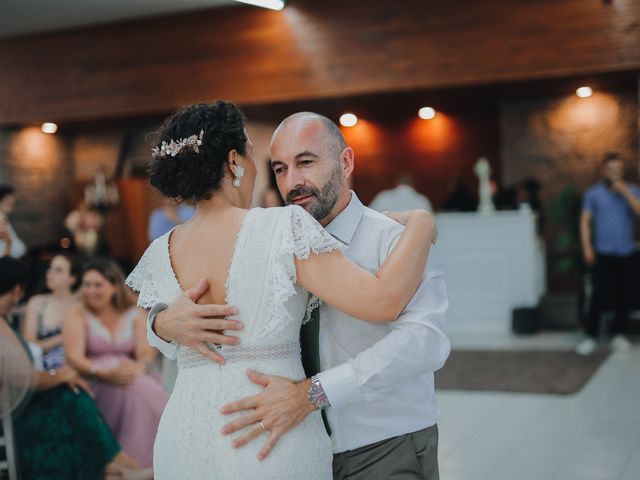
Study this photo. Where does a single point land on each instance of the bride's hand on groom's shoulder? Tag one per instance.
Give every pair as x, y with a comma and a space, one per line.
190, 324
280, 407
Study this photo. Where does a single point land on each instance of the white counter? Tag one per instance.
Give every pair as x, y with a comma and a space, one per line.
492, 264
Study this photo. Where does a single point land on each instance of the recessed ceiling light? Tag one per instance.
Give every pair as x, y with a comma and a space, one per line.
348, 119
272, 4
426, 113
49, 127
584, 92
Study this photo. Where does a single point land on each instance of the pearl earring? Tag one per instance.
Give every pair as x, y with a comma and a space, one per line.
239, 174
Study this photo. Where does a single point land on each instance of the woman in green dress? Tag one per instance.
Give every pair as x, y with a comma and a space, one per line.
59, 432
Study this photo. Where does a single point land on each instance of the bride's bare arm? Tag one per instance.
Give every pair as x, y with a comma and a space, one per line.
378, 297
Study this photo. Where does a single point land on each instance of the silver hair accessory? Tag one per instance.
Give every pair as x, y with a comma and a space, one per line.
239, 174
173, 148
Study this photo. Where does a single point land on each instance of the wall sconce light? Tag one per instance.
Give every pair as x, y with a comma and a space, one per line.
584, 92
348, 119
49, 127
427, 113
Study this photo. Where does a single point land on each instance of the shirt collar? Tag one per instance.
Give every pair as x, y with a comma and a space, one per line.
344, 226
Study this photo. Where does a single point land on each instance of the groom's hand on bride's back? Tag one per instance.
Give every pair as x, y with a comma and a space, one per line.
282, 405
190, 324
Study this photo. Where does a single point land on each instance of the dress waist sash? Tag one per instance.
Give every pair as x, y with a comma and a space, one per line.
189, 358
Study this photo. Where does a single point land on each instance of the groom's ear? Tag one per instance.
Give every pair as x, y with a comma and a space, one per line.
347, 158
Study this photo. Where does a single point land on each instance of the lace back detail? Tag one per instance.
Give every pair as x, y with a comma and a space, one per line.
261, 280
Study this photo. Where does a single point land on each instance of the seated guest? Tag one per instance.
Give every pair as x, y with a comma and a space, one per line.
105, 339
168, 216
10, 243
45, 313
58, 431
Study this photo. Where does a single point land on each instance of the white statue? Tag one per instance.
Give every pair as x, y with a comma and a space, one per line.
483, 171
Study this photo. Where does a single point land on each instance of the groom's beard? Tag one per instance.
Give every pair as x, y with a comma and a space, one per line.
323, 200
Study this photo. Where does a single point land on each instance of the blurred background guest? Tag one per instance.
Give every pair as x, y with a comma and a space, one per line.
503, 196
58, 431
460, 199
610, 206
402, 197
528, 193
10, 243
105, 340
85, 224
168, 216
45, 313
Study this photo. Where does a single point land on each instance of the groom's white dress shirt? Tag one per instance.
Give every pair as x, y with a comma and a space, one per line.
377, 377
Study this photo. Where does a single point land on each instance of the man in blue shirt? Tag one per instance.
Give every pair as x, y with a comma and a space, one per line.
609, 206
168, 216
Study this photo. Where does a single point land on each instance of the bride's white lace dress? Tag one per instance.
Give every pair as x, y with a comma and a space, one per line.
261, 283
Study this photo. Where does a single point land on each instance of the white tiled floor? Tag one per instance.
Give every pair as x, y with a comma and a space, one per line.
594, 434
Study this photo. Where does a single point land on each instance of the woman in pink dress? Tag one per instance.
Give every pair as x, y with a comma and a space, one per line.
105, 340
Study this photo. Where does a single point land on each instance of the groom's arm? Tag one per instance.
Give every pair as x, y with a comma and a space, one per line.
187, 323
168, 348
416, 345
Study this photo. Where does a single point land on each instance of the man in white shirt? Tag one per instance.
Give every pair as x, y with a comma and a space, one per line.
402, 197
374, 382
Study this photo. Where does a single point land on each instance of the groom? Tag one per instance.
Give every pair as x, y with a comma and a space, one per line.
374, 382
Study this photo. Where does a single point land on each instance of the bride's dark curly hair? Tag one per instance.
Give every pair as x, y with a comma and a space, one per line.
191, 175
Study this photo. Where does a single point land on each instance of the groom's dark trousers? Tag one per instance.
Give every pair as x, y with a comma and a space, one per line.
413, 456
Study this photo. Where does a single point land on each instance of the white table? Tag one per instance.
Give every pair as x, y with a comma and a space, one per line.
492, 264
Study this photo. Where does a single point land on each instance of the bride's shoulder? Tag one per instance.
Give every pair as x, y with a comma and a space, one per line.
154, 255
273, 213
156, 246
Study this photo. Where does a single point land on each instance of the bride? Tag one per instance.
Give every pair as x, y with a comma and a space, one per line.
270, 264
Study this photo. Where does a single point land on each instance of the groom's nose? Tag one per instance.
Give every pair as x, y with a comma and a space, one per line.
293, 179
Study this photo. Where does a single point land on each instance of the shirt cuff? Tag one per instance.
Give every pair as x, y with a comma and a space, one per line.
169, 350
340, 385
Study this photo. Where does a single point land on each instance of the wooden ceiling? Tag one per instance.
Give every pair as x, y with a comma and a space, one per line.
310, 52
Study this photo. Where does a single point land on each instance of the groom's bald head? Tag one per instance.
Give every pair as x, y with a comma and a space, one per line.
312, 162
304, 122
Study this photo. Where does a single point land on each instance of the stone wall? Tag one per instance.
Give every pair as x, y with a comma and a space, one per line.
40, 168
561, 142
50, 172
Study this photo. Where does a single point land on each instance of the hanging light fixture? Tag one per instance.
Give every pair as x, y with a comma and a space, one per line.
272, 4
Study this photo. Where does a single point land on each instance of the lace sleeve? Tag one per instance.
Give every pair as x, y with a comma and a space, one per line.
141, 280
307, 235
303, 236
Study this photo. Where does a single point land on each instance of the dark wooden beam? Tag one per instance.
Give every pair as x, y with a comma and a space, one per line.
311, 50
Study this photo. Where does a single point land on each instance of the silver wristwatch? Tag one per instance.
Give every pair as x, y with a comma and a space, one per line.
316, 394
